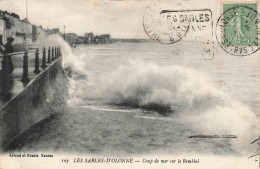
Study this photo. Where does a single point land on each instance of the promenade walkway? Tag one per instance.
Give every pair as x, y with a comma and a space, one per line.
24, 70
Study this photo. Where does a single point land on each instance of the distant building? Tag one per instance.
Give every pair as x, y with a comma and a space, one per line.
41, 33
89, 37
55, 31
105, 38
15, 15
21, 30
71, 38
24, 32
34, 34
80, 40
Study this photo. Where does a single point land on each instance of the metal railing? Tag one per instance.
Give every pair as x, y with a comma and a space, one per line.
52, 53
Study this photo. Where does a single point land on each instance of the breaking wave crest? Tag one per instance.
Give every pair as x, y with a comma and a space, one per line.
187, 93
72, 65
175, 88
177, 91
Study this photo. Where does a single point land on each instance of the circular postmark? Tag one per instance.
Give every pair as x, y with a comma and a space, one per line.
237, 30
163, 25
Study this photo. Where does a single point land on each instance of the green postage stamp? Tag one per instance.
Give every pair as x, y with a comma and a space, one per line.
239, 28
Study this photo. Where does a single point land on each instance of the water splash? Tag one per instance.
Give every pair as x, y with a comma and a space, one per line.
72, 65
187, 93
181, 92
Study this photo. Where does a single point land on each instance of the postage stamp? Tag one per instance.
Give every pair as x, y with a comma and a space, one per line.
237, 28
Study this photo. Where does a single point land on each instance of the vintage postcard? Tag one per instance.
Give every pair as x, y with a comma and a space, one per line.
130, 84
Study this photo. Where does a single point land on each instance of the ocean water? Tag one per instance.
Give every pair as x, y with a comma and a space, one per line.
200, 94
235, 76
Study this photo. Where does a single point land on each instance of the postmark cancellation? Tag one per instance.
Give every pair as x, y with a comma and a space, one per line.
237, 29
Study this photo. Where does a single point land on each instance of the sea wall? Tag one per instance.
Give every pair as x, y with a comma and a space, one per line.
42, 97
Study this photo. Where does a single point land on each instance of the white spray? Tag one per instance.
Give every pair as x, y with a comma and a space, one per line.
186, 92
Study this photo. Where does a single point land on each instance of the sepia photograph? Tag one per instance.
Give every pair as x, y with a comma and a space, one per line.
129, 84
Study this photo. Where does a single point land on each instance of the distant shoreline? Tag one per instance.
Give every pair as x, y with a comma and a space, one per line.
113, 40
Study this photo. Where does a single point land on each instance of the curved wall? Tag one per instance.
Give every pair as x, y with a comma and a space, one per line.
43, 96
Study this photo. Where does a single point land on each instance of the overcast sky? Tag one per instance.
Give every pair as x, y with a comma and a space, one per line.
122, 19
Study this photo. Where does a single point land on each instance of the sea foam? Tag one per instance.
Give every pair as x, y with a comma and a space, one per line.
177, 91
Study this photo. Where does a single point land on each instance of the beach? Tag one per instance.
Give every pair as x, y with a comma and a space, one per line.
115, 133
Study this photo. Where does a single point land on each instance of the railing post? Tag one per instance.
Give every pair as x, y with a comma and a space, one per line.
44, 58
25, 78
37, 64
5, 74
49, 55
52, 57
57, 53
